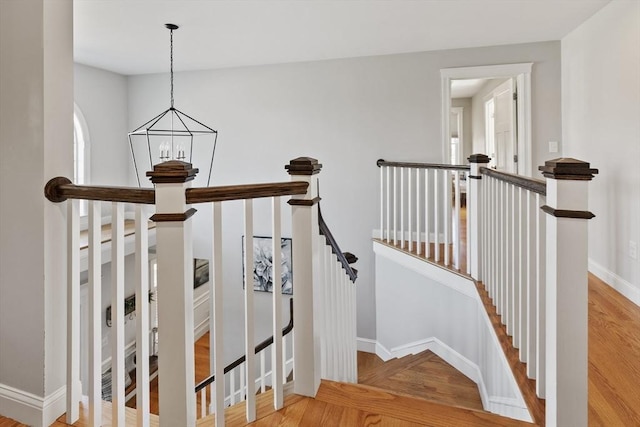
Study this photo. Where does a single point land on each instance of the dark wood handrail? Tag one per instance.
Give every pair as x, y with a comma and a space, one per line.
413, 165
535, 185
324, 230
248, 191
264, 344
60, 189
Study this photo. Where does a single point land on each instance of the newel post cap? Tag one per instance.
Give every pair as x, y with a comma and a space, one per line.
173, 171
568, 168
303, 166
479, 158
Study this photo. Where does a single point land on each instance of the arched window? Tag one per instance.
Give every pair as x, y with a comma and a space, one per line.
81, 157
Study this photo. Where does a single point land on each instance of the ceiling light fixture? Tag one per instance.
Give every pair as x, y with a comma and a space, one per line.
173, 136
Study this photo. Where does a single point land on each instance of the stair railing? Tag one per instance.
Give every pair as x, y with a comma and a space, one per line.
526, 242
417, 209
339, 334
265, 378
173, 197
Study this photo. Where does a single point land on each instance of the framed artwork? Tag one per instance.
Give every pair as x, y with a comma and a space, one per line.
200, 272
263, 264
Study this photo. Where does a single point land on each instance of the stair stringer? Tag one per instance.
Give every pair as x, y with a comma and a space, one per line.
421, 306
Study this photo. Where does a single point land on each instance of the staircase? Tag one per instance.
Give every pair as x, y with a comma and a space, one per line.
343, 404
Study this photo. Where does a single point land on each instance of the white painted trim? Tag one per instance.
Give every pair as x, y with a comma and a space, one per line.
30, 409
443, 276
487, 71
628, 290
366, 345
522, 72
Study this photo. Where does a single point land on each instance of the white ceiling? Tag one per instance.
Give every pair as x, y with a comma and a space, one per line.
128, 36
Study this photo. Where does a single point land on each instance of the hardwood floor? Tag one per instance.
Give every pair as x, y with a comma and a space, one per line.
423, 375
614, 374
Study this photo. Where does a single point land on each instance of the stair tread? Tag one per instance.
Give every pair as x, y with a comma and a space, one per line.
407, 408
392, 366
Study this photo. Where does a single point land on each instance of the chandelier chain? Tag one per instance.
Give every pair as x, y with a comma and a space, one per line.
171, 60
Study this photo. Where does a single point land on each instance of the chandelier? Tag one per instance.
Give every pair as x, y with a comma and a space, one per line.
173, 135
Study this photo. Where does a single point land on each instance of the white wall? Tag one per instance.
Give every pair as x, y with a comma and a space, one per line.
36, 110
346, 113
421, 306
601, 125
101, 96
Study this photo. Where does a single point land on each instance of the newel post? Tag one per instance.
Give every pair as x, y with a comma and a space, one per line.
306, 296
175, 293
474, 214
566, 291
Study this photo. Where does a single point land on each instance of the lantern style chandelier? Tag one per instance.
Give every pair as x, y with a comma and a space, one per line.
173, 135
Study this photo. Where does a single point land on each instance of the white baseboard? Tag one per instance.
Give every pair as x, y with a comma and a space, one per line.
366, 345
30, 409
511, 407
629, 291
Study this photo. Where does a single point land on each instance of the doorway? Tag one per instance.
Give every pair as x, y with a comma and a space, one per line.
500, 104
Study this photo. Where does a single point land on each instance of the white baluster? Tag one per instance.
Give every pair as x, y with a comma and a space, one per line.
541, 315
427, 214
519, 340
117, 314
456, 221
142, 318
277, 348
395, 205
263, 371
95, 313
73, 311
437, 194
410, 207
232, 386
402, 230
388, 200
508, 260
530, 355
418, 219
249, 329
203, 402
381, 202
447, 217
284, 359
243, 383
517, 283
215, 306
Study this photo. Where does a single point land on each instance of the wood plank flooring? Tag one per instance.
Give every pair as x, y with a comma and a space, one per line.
423, 375
614, 370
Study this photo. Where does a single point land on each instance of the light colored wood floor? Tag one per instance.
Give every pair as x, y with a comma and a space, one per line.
614, 361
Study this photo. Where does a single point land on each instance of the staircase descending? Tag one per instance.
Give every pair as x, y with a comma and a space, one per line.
419, 389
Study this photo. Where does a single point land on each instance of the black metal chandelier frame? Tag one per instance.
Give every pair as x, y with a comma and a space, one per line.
179, 119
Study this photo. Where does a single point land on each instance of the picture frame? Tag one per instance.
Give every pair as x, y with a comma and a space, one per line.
200, 272
262, 264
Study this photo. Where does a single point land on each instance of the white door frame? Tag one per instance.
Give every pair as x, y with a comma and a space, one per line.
459, 112
522, 73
